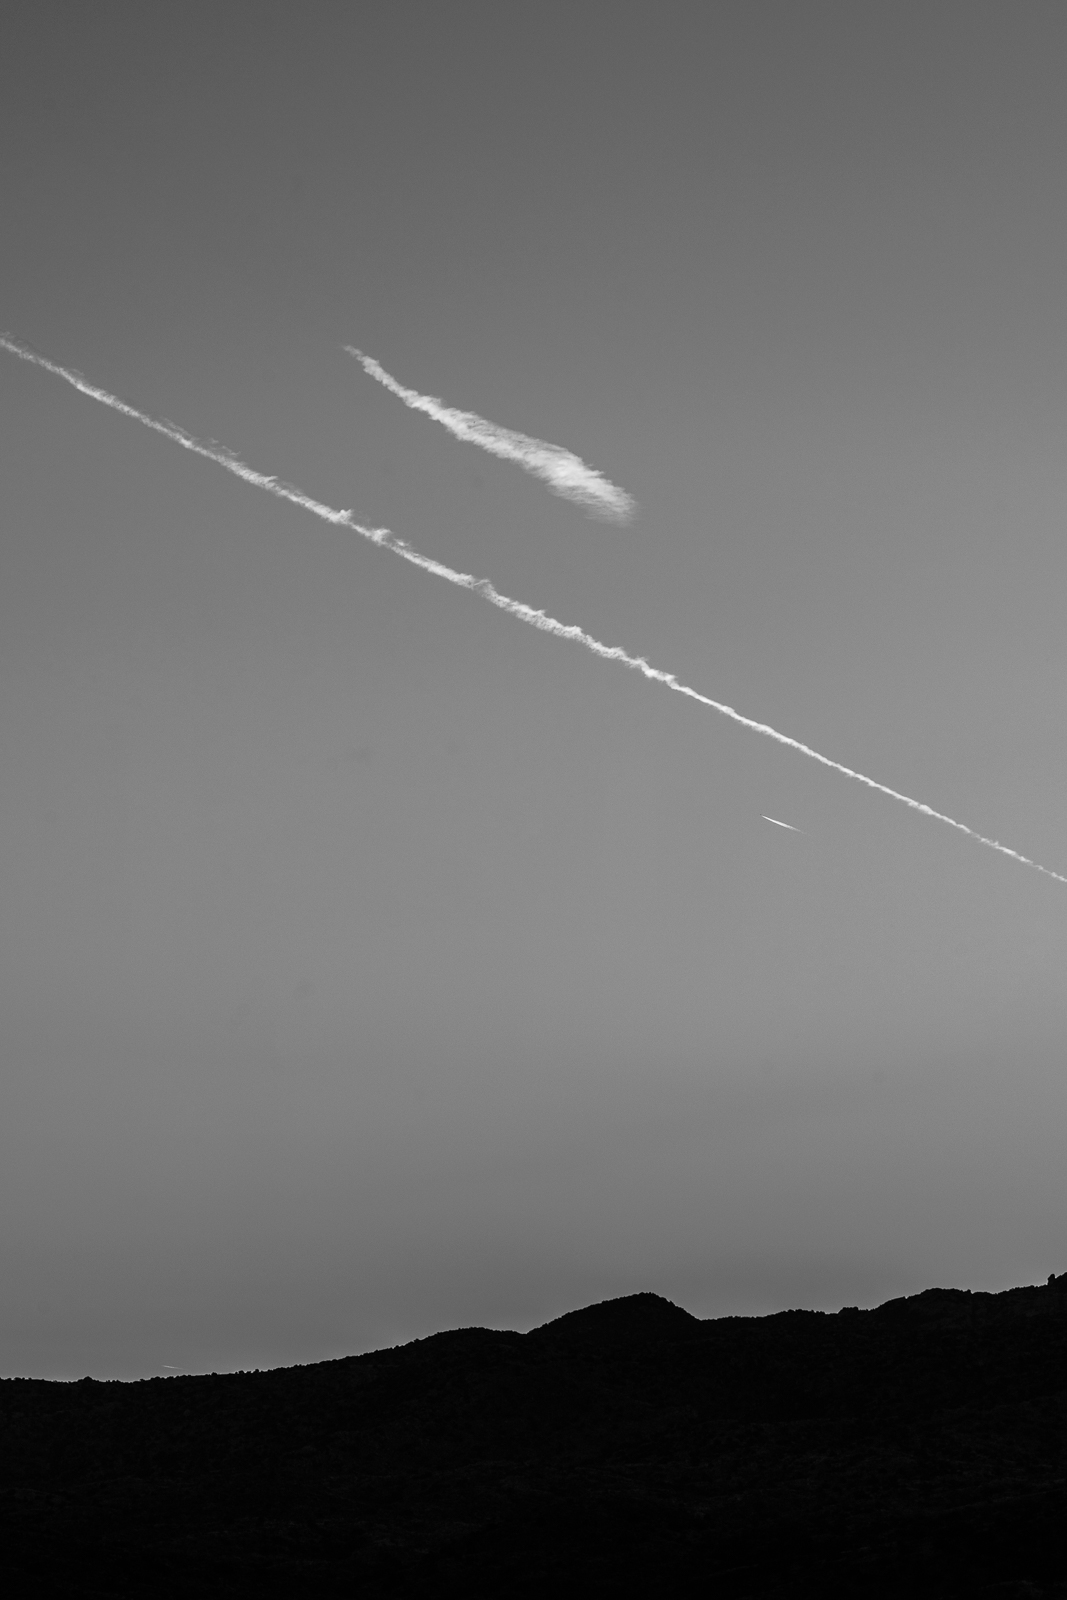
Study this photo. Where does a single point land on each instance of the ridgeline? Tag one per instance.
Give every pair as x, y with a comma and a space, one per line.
916, 1449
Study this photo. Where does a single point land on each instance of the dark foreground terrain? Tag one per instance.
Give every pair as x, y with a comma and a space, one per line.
919, 1449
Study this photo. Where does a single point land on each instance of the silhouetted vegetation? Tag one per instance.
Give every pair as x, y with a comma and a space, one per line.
917, 1449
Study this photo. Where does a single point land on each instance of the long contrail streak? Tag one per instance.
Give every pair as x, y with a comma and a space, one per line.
567, 474
482, 586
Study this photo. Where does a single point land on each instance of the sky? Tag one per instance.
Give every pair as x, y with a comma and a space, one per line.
372, 964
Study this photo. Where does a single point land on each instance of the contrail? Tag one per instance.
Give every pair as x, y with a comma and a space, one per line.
778, 824
482, 586
567, 474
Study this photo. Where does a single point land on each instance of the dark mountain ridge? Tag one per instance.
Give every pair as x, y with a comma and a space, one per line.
918, 1448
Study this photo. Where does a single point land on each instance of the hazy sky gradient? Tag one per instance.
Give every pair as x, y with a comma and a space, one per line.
370, 963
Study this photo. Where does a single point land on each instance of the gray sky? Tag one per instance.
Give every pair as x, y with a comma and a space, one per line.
370, 963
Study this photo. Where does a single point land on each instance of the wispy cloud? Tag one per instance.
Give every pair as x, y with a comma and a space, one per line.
567, 474
778, 824
482, 587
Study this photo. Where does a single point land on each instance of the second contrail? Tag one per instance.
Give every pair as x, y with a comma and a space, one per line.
482, 586
563, 471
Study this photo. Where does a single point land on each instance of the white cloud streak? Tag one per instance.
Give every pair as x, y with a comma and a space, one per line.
482, 587
567, 474
778, 824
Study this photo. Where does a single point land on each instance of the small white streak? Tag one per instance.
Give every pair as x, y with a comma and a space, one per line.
778, 824
514, 608
567, 474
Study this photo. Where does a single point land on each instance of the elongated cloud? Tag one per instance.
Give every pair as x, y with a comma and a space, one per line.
567, 474
482, 586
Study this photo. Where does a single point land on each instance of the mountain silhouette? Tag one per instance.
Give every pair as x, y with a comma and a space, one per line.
919, 1448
